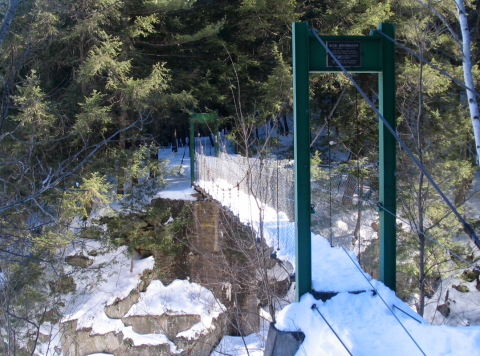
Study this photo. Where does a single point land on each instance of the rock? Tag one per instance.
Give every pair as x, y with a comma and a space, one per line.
461, 288
470, 275
120, 307
52, 316
202, 345
90, 233
145, 280
93, 253
63, 285
145, 350
140, 224
283, 343
43, 338
80, 342
78, 261
169, 325
444, 309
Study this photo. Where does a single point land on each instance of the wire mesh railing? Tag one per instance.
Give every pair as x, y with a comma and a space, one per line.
270, 181
343, 209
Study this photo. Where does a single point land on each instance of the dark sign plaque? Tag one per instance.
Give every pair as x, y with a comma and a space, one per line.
349, 53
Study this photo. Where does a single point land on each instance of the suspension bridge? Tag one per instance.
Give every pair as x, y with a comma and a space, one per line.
357, 218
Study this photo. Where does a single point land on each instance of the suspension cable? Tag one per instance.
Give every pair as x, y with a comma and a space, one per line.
329, 176
375, 289
314, 306
466, 227
427, 62
357, 133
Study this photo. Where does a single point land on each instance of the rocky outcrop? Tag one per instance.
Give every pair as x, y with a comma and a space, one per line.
169, 325
461, 288
120, 307
444, 309
185, 331
80, 342
83, 342
202, 345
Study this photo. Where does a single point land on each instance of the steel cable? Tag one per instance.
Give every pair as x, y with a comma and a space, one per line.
376, 291
466, 227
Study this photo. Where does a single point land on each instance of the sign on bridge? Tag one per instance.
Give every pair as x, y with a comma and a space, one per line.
348, 53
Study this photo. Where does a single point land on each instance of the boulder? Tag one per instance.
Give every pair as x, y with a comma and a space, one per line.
78, 261
470, 275
444, 309
461, 288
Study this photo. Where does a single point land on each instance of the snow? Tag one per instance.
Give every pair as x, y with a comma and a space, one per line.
235, 346
179, 298
179, 185
367, 327
91, 298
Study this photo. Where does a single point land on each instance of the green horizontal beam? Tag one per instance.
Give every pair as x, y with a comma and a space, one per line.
371, 54
204, 117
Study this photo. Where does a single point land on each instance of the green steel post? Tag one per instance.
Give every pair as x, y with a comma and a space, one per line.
301, 110
215, 130
387, 146
192, 148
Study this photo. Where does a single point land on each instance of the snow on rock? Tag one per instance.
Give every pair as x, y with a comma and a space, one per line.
98, 287
179, 298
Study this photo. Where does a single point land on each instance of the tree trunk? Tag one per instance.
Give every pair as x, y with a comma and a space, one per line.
466, 63
132, 262
286, 125
7, 21
174, 141
467, 74
421, 237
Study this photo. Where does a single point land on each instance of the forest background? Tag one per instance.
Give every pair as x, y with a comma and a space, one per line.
87, 85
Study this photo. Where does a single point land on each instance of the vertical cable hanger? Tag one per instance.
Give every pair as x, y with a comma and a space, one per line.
358, 175
330, 180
